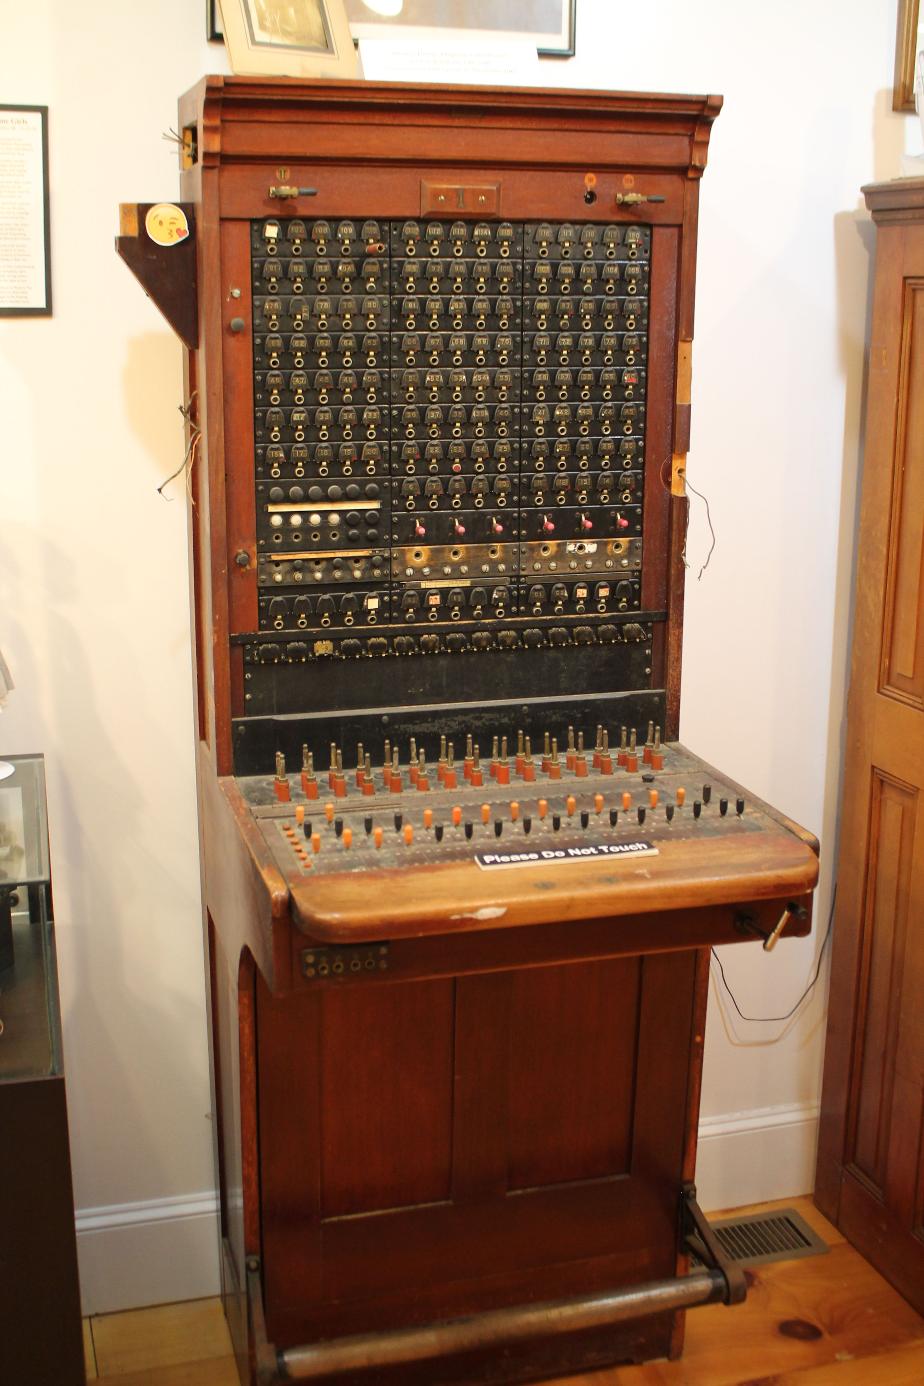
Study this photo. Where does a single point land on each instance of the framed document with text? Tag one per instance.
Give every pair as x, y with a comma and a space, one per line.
25, 252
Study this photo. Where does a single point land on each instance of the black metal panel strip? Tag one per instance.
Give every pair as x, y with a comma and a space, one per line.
258, 738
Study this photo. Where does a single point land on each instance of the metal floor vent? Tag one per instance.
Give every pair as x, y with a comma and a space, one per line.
758, 1238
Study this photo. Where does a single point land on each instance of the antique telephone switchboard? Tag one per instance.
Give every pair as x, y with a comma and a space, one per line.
460, 880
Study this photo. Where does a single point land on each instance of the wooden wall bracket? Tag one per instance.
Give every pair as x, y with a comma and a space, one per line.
167, 273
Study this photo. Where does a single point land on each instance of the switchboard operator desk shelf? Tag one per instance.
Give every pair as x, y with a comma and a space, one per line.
460, 880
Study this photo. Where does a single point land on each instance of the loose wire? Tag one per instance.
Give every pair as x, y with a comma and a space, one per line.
705, 502
769, 1019
189, 457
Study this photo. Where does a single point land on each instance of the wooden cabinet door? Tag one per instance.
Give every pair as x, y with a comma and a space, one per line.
436, 1148
870, 1177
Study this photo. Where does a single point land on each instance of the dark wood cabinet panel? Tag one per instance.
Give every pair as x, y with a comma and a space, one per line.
903, 615
890, 852
584, 1132
572, 1071
871, 1150
386, 1059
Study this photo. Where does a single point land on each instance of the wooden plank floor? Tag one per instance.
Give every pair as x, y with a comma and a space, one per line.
824, 1321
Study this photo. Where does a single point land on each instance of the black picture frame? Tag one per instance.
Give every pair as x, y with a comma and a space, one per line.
572, 28
213, 30
45, 311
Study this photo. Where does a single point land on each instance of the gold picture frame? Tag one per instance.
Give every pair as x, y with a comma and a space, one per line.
288, 38
906, 47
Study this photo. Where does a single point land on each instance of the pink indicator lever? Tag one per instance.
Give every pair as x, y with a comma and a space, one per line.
548, 526
458, 527
586, 522
419, 529
621, 522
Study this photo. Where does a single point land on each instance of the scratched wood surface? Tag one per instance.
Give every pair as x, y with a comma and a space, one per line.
370, 905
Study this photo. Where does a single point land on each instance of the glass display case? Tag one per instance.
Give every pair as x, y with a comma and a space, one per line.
39, 1289
30, 1044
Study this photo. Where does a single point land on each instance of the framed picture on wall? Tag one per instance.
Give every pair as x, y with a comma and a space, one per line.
550, 23
25, 262
288, 38
213, 22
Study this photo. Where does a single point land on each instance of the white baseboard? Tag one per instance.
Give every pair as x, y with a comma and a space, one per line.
756, 1156
166, 1249
155, 1252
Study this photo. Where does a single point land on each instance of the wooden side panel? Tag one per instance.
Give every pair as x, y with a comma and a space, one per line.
917, 1218
884, 932
225, 1036
290, 1157
572, 1067
237, 369
386, 1076
662, 351
903, 627
226, 1042
214, 673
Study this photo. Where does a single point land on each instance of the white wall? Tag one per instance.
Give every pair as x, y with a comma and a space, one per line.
94, 623
93, 584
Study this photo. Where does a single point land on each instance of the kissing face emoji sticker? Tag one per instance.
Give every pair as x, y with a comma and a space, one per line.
166, 224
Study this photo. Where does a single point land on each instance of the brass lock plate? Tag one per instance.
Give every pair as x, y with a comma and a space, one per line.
481, 199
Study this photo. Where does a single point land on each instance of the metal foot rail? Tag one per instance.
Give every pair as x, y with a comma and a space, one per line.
499, 1328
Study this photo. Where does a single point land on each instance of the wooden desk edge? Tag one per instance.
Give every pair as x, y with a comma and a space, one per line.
538, 895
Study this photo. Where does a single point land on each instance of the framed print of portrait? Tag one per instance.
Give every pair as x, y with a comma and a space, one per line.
288, 38
550, 23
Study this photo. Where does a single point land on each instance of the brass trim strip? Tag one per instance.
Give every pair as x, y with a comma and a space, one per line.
303, 555
290, 507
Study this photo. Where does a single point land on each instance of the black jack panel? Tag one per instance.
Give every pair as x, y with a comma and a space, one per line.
449, 430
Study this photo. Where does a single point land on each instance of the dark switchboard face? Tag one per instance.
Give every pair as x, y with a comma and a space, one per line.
449, 422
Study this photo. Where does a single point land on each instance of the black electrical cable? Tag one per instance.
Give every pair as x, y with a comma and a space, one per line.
769, 1019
